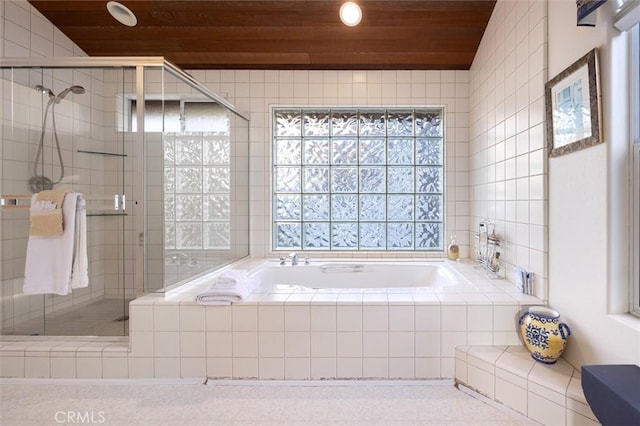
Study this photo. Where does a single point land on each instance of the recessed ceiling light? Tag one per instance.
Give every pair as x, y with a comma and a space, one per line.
122, 14
350, 14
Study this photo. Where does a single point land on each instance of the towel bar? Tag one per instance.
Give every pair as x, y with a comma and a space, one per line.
23, 202
13, 201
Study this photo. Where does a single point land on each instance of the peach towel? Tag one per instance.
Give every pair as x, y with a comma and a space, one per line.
46, 213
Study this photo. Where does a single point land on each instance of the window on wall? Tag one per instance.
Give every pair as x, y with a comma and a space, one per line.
358, 179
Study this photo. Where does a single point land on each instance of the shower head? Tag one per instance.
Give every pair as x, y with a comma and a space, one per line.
77, 90
45, 91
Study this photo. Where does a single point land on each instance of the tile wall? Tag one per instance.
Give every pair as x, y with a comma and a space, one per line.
257, 91
508, 160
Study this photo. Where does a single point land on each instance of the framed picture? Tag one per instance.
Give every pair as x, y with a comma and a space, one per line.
572, 105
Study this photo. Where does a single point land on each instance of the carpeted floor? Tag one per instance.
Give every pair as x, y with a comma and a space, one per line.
186, 404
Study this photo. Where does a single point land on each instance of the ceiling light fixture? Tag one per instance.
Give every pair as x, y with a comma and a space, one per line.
350, 14
122, 14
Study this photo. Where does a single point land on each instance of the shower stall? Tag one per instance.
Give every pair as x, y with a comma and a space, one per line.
161, 161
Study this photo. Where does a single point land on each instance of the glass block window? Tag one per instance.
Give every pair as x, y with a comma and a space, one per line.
358, 179
197, 190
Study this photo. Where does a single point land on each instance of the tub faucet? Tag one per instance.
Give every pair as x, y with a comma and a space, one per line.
293, 257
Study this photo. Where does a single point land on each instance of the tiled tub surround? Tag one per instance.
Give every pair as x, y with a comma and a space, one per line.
296, 333
549, 394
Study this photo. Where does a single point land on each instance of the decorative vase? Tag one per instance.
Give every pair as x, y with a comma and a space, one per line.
543, 334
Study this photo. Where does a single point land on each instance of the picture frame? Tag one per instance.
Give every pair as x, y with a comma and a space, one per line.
572, 103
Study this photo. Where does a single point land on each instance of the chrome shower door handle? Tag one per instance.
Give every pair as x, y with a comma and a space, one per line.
119, 202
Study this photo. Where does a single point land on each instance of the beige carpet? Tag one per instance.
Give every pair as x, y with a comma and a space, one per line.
137, 404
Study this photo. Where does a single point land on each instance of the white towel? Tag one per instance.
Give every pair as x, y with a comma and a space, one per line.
232, 286
56, 264
80, 267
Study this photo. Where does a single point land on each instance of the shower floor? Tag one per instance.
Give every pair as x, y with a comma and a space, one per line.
101, 318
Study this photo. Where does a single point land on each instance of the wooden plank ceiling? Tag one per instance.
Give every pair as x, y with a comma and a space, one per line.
282, 34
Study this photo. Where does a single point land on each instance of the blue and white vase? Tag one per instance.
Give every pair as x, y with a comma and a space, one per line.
543, 334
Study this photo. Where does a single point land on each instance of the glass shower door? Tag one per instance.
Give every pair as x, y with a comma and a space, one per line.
60, 130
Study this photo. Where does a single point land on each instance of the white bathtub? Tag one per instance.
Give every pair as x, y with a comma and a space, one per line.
360, 275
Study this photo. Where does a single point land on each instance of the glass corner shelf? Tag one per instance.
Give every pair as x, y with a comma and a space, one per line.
108, 154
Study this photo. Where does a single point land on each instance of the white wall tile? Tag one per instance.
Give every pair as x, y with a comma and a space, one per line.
323, 318
454, 318
166, 367
141, 343
375, 317
219, 368
507, 83
244, 318
115, 367
402, 344
166, 317
449, 341
297, 368
545, 411
37, 366
479, 318
192, 318
427, 344
349, 368
271, 344
139, 368
193, 367
505, 318
245, 368
401, 368
427, 318
375, 368
401, 318
349, 318
323, 344
375, 344
219, 344
218, 318
140, 317
349, 345
297, 344
297, 318
193, 344
270, 318
271, 368
323, 368
427, 368
166, 344
245, 344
